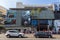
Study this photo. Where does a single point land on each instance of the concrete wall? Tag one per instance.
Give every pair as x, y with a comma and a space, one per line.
18, 17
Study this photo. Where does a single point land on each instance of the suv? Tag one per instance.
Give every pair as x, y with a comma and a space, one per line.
43, 34
14, 33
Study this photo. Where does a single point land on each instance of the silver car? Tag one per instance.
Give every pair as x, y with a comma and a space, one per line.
14, 33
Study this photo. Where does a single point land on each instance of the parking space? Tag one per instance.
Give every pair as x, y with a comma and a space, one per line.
30, 37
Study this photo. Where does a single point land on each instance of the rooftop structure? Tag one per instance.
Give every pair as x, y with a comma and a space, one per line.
3, 13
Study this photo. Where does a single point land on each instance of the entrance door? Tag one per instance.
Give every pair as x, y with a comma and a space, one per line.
42, 28
42, 25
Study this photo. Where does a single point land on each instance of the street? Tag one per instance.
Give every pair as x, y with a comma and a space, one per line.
28, 39
3, 37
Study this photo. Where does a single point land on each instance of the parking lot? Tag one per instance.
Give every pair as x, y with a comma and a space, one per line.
30, 37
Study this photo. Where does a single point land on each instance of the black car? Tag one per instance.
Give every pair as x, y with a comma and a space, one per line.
43, 34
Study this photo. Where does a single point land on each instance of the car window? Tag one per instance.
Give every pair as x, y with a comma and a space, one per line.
13, 31
47, 33
41, 32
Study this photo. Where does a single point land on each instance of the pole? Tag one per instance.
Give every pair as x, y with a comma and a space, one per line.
48, 28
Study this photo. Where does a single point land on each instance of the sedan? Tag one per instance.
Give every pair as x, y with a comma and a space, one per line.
43, 34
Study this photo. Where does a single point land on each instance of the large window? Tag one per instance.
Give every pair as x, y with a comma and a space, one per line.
11, 13
11, 17
10, 21
56, 7
44, 22
25, 17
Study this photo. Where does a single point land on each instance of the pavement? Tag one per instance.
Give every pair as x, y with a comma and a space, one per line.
30, 37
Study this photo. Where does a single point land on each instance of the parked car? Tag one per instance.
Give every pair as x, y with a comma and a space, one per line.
14, 33
43, 34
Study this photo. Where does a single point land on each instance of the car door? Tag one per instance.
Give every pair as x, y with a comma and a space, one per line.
41, 34
14, 33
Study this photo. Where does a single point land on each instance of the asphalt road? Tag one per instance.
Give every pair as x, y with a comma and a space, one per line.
3, 37
28, 39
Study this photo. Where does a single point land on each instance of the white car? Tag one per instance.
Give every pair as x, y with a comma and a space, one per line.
14, 33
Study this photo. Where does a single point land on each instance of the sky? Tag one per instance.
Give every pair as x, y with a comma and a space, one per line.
12, 3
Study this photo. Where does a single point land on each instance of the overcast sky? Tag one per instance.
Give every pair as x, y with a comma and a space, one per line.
12, 3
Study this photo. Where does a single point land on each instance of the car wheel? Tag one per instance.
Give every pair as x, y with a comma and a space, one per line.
50, 36
19, 36
8, 36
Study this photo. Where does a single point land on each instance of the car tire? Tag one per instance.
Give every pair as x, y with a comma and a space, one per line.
8, 36
19, 36
50, 36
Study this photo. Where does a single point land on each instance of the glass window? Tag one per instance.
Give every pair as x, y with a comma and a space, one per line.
11, 16
13, 31
43, 22
10, 21
25, 17
13, 21
11, 13
59, 8
59, 5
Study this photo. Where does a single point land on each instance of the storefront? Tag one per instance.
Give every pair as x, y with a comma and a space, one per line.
42, 25
39, 17
43, 21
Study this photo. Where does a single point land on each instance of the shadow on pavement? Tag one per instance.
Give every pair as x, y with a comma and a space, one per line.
18, 37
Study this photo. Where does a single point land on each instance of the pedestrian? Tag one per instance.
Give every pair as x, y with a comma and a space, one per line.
25, 23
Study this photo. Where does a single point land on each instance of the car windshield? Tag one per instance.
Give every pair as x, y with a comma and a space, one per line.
43, 32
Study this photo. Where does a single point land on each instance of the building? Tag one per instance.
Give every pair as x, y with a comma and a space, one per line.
44, 19
3, 12
35, 12
56, 6
10, 18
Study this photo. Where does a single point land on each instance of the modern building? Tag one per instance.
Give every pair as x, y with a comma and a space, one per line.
56, 8
41, 13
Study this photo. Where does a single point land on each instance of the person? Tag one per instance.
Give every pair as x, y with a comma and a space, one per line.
24, 31
25, 23
19, 30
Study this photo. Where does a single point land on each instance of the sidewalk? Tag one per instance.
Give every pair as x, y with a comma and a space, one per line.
30, 35
56, 36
